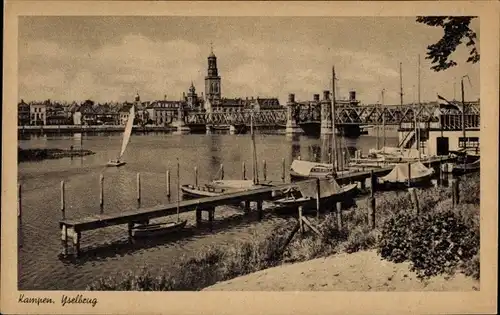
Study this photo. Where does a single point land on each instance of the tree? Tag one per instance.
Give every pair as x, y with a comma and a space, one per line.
456, 31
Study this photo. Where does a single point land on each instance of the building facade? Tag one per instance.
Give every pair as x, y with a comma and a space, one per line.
38, 114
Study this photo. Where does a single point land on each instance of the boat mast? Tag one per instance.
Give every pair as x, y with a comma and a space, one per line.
334, 143
418, 133
383, 119
178, 188
401, 82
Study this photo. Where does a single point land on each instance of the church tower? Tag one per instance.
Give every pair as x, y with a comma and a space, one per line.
212, 80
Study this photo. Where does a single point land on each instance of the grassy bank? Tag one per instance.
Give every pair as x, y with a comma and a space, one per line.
24, 155
440, 239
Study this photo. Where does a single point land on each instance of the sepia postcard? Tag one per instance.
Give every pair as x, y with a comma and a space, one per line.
250, 157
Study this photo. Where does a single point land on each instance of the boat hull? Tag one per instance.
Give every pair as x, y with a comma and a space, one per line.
115, 163
160, 229
289, 205
191, 191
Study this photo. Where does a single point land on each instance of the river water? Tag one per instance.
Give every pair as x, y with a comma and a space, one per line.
106, 252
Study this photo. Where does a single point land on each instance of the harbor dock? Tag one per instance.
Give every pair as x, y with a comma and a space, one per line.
73, 227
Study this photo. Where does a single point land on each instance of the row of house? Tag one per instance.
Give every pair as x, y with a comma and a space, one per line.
159, 112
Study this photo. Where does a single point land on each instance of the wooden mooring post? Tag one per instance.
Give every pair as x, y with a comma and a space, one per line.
221, 171
455, 191
409, 174
243, 171
19, 217
259, 210
414, 200
283, 170
19, 205
372, 201
318, 197
138, 190
300, 220
247, 206
198, 217
101, 193
63, 205
264, 169
168, 184
339, 215
196, 176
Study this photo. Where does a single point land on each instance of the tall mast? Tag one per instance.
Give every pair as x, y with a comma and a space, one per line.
419, 79
418, 130
334, 143
383, 119
401, 81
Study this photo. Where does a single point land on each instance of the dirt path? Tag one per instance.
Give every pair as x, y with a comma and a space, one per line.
361, 271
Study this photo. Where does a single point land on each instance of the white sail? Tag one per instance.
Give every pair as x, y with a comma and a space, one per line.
128, 131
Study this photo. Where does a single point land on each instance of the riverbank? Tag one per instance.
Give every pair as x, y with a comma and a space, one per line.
441, 239
360, 271
25, 155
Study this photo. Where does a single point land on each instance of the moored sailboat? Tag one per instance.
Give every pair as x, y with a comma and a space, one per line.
126, 138
222, 186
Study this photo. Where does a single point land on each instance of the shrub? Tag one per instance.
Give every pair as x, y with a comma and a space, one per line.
434, 243
361, 238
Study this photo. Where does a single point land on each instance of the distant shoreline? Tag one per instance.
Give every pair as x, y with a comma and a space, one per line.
27, 155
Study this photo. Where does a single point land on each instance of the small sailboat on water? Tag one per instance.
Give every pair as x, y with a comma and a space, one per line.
304, 194
126, 138
402, 175
162, 228
219, 187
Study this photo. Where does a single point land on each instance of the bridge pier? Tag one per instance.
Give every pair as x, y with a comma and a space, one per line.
232, 129
326, 114
208, 129
292, 113
182, 128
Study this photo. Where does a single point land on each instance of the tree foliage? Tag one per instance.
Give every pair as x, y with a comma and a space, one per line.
456, 31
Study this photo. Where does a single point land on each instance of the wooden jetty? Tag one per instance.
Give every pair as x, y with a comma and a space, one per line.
72, 228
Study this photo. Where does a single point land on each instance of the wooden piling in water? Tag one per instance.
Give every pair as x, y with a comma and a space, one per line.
76, 243
101, 193
168, 184
19, 205
371, 212
243, 171
221, 171
264, 169
138, 190
283, 169
414, 199
211, 214
64, 240
198, 217
259, 209
247, 206
63, 206
339, 215
196, 176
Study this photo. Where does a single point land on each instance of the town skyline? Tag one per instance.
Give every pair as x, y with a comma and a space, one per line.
110, 59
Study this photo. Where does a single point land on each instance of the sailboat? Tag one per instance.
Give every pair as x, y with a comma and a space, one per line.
301, 170
161, 228
218, 187
126, 138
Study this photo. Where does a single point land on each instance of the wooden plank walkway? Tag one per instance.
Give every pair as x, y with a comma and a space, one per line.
143, 214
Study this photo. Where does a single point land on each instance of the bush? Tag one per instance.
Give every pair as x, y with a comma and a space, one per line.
361, 238
434, 243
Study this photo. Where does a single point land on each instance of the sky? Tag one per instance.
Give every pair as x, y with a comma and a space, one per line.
110, 58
